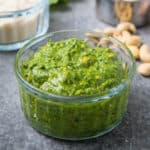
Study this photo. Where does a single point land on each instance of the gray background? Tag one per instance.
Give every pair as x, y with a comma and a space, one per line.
16, 134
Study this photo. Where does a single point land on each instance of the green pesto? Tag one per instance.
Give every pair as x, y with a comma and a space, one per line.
73, 68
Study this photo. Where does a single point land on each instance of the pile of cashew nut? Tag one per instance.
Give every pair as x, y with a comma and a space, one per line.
126, 33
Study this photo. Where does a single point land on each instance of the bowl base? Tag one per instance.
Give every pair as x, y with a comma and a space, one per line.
107, 130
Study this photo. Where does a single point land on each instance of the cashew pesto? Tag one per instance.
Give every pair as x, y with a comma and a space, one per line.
84, 75
73, 68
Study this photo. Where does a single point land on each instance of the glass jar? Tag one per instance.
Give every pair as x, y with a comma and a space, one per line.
73, 117
19, 26
115, 11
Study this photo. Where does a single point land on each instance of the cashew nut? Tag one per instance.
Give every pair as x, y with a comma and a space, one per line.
126, 34
133, 40
126, 26
93, 35
134, 50
144, 69
145, 53
111, 31
120, 38
104, 42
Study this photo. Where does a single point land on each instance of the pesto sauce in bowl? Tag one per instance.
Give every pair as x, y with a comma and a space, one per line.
73, 68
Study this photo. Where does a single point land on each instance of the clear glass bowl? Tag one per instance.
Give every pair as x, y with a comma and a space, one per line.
73, 117
18, 27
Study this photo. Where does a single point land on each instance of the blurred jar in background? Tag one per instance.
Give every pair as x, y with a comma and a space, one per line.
115, 11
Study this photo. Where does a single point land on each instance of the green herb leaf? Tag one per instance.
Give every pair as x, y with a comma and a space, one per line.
53, 2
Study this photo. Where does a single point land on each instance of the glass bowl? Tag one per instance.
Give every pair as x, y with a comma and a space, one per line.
73, 117
18, 27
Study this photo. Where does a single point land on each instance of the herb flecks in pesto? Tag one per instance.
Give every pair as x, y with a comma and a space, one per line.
73, 68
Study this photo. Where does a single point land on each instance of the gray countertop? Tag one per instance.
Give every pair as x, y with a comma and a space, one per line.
16, 134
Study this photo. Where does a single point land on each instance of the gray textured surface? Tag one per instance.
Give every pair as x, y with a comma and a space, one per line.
15, 133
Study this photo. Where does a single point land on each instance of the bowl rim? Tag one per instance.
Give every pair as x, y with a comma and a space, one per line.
23, 12
54, 97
